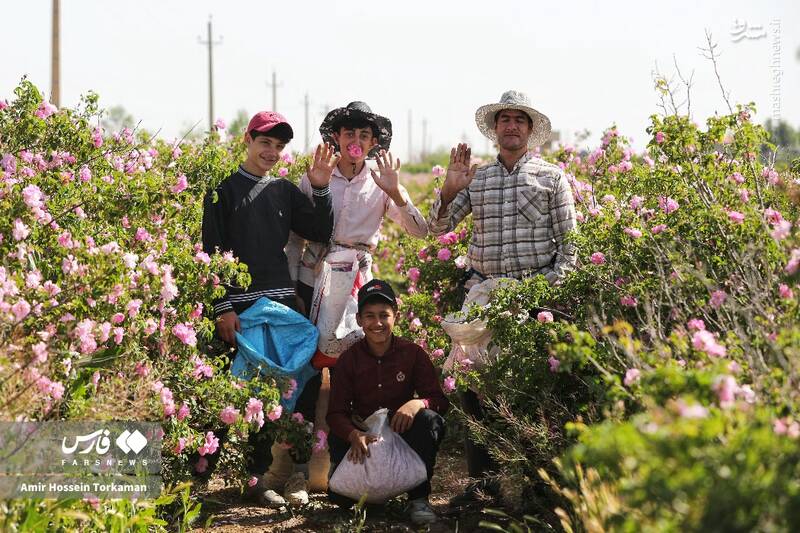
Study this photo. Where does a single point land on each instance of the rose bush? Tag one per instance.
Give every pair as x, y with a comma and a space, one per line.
104, 285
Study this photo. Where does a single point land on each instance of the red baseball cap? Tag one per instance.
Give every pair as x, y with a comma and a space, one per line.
265, 121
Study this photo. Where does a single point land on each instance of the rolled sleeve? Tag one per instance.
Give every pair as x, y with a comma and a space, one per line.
564, 220
459, 208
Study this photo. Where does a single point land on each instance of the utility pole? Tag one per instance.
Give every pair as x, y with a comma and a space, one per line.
55, 56
210, 42
424, 137
305, 107
274, 85
410, 146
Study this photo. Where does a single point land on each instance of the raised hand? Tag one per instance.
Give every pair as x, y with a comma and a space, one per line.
388, 177
325, 160
459, 173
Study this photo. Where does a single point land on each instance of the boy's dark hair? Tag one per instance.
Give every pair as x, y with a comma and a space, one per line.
282, 132
530, 120
352, 123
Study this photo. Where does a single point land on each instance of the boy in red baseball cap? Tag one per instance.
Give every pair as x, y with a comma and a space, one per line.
251, 214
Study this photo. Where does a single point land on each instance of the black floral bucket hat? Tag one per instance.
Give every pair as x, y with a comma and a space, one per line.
360, 110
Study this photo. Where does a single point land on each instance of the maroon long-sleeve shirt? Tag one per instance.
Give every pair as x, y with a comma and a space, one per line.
363, 383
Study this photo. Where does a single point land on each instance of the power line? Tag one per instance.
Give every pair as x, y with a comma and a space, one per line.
210, 43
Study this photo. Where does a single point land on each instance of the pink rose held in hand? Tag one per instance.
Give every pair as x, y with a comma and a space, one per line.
354, 150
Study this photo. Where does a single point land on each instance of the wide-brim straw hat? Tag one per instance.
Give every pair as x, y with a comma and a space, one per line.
484, 117
382, 125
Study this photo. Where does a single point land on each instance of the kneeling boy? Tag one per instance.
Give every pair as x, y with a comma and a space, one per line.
383, 370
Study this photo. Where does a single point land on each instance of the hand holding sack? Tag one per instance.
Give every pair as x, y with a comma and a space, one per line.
391, 468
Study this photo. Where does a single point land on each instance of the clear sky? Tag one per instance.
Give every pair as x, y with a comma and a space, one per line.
585, 64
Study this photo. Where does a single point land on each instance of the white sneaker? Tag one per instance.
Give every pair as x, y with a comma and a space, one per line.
270, 498
420, 512
296, 490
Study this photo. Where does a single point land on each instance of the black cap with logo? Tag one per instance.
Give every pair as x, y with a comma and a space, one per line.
376, 287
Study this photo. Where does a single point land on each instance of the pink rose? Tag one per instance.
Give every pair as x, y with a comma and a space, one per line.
736, 217
210, 445
438, 170
632, 375
201, 466
437, 353
717, 299
183, 412
253, 412
181, 185
229, 415
413, 274
660, 137
785, 292
283, 172
219, 124
632, 232
252, 482
598, 258
444, 254
706, 342
667, 204
696, 324
655, 230
275, 413
449, 384
544, 317
321, 442
554, 363
629, 301
179, 446
354, 151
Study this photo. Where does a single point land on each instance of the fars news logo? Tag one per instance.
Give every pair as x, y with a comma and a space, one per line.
99, 443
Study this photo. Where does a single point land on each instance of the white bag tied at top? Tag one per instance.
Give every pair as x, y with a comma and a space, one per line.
471, 340
334, 304
391, 469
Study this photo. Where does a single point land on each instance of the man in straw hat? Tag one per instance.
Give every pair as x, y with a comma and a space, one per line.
522, 210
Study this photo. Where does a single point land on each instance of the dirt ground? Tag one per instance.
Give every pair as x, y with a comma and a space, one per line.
230, 512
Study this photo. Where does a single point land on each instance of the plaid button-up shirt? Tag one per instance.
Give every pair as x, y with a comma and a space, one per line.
520, 218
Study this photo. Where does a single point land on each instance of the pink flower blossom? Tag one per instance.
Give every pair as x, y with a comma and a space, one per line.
169, 290
444, 254
782, 230
45, 109
210, 445
660, 137
322, 441
179, 446
201, 368
794, 262
150, 326
39, 352
287, 158
691, 411
633, 232
117, 318
133, 307
181, 185
298, 417
461, 261
655, 230
275, 413
449, 384
32, 196
219, 124
354, 151
119, 333
142, 369
726, 389
253, 412
629, 301
636, 202
437, 353
598, 258
785, 292
736, 217
20, 230
20, 309
632, 375
667, 204
554, 364
201, 466
252, 482
185, 332
183, 412
291, 390
283, 172
706, 342
736, 177
744, 195
438, 170
717, 299
229, 415
696, 324
448, 238
544, 317
413, 274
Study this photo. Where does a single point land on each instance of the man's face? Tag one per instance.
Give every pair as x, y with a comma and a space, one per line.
377, 321
361, 137
263, 152
513, 129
